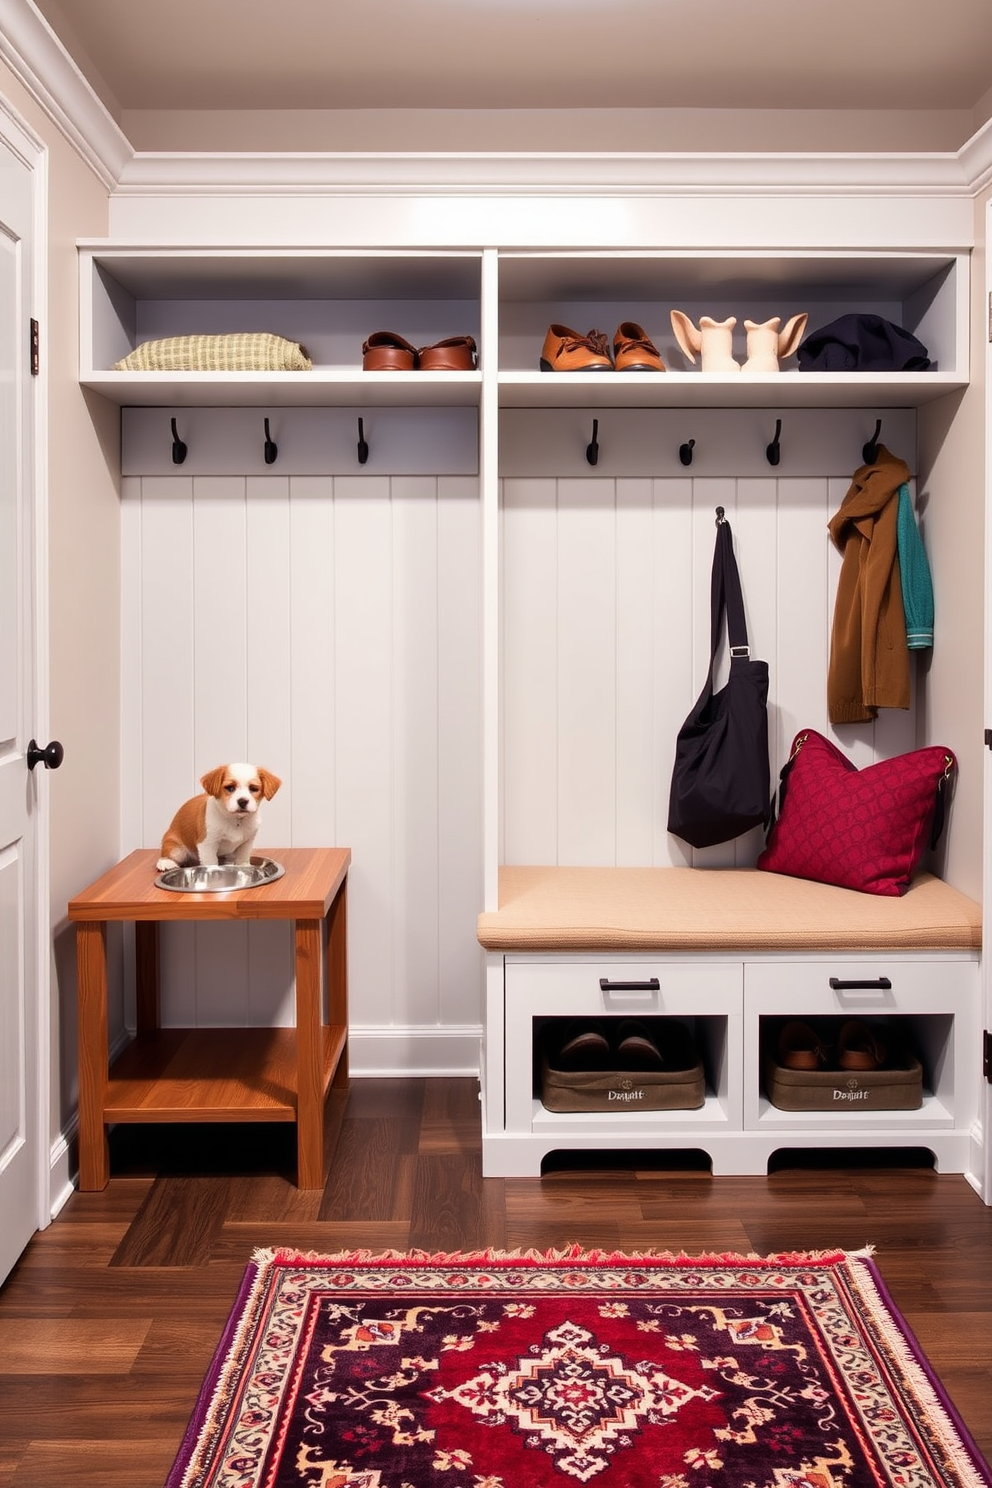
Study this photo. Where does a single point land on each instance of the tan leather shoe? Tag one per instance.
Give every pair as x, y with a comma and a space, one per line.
565, 350
456, 354
384, 351
633, 352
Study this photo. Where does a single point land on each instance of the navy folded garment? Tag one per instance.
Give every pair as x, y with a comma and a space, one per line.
862, 343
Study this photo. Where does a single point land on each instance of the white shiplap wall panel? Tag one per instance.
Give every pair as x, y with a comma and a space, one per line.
529, 582
805, 605
268, 722
587, 672
159, 696
220, 711
672, 679
632, 612
635, 618
311, 604
459, 749
328, 627
413, 737
363, 667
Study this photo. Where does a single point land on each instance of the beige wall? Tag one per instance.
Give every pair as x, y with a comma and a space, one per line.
84, 585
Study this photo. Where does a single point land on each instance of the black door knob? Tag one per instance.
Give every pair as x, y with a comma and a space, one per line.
51, 756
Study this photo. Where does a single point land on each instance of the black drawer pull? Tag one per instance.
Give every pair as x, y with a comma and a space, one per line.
878, 984
651, 985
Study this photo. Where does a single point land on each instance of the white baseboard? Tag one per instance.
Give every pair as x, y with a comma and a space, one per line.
61, 1174
423, 1051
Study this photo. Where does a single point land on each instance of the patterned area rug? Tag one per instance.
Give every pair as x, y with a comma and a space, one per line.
551, 1371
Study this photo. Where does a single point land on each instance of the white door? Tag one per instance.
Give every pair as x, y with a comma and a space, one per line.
20, 941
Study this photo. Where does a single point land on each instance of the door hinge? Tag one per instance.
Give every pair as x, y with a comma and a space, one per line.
988, 738
36, 340
987, 1055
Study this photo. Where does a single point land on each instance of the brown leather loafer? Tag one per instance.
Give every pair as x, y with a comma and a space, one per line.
566, 351
633, 351
582, 1046
384, 351
800, 1047
636, 1047
859, 1047
456, 354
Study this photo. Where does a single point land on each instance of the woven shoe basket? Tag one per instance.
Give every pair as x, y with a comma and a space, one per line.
680, 1086
896, 1089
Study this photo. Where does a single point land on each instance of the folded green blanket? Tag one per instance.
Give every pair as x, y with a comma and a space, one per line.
247, 351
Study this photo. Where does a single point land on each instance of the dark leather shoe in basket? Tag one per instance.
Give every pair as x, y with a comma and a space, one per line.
581, 1046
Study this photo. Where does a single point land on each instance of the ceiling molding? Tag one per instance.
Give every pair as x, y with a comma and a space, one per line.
554, 173
41, 64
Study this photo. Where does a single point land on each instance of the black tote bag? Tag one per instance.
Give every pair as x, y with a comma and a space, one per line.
721, 781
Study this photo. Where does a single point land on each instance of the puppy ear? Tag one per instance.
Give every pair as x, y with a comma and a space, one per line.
270, 783
213, 780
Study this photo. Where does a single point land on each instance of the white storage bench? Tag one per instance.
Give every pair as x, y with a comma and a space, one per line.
730, 953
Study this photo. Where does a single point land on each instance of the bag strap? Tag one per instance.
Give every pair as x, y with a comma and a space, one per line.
726, 596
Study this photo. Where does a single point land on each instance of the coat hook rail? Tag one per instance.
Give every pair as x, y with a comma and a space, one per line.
271, 449
774, 450
869, 452
179, 450
685, 451
363, 448
592, 449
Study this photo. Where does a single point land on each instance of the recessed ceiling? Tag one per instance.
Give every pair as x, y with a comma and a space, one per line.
530, 54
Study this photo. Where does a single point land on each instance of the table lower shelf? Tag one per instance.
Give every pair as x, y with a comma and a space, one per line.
213, 1074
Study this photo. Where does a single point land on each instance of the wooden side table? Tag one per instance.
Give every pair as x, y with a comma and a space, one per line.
215, 1074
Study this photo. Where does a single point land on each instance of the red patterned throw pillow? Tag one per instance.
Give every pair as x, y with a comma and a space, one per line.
860, 829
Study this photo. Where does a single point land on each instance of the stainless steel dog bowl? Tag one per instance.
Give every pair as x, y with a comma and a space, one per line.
216, 878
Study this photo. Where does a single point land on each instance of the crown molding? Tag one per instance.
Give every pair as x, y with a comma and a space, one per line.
554, 173
976, 159
41, 64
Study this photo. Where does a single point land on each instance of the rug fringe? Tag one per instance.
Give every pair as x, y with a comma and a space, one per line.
572, 1254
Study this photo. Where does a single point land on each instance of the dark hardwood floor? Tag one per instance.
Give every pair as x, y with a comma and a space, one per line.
109, 1321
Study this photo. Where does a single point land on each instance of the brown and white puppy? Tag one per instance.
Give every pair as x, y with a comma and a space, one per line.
219, 826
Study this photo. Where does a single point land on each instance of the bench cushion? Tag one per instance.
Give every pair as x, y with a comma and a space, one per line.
720, 909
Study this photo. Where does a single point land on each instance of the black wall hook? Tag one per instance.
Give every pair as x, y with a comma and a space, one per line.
685, 451
774, 450
179, 450
363, 449
592, 449
869, 452
271, 450
721, 516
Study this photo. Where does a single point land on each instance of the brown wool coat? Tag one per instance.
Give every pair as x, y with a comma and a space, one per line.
869, 659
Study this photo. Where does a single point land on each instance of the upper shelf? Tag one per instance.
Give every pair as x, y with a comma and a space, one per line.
331, 300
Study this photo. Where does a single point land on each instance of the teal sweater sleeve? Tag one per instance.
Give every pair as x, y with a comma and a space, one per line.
914, 570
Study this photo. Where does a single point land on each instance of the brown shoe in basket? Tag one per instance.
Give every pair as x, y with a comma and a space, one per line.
565, 350
635, 1048
456, 354
582, 1047
800, 1047
633, 351
859, 1047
